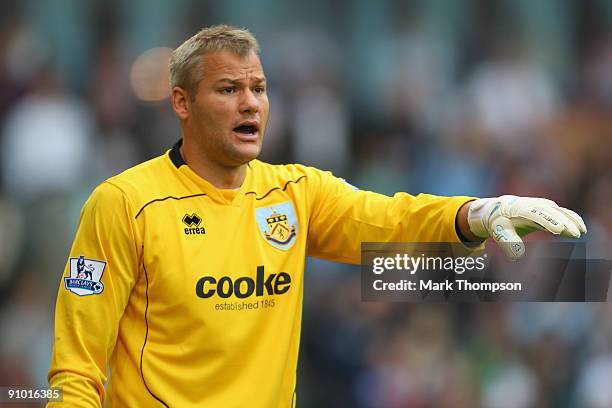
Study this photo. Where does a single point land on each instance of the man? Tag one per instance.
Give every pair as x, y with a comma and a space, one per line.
198, 255
82, 270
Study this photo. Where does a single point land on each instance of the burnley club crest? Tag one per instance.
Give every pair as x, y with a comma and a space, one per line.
278, 224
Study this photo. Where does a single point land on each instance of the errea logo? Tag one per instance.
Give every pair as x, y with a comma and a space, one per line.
193, 222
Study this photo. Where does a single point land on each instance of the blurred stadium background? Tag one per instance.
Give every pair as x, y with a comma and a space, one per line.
478, 97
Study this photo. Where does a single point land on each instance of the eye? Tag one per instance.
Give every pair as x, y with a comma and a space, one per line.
260, 90
228, 90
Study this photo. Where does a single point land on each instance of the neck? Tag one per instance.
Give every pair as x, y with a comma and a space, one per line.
223, 177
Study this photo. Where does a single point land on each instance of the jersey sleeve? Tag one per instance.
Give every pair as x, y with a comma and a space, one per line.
342, 217
97, 280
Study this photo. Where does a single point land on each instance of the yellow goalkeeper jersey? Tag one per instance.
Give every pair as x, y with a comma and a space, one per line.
191, 296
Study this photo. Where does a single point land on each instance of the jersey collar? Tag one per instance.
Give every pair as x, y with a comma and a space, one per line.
202, 184
175, 154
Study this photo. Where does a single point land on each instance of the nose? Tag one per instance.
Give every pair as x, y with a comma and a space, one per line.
249, 102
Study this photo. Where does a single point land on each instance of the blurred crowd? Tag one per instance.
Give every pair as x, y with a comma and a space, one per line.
471, 97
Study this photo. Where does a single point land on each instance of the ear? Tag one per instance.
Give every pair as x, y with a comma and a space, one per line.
181, 102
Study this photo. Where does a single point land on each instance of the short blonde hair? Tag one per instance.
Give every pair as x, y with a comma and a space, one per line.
185, 69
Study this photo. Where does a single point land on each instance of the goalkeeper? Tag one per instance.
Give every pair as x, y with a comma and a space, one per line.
196, 257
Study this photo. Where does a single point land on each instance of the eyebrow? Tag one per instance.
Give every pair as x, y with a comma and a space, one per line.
258, 80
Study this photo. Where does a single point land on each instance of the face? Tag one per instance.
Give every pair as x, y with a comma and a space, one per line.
228, 117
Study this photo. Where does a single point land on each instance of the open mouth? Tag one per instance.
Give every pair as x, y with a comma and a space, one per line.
246, 129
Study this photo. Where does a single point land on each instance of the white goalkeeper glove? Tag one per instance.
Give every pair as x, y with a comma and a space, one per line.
508, 218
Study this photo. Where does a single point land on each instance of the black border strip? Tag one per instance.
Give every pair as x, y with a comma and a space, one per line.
166, 198
145, 340
275, 188
175, 154
464, 240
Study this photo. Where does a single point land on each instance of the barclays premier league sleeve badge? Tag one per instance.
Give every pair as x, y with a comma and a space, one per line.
85, 276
